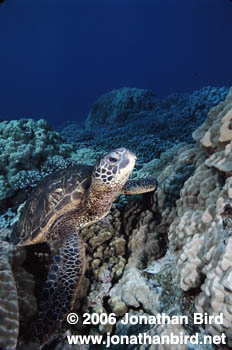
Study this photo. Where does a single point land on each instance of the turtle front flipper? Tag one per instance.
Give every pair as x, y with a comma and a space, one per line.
138, 186
60, 289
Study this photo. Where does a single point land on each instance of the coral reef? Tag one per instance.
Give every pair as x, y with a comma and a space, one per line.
169, 251
7, 220
200, 235
24, 145
118, 106
124, 116
129, 104
194, 203
105, 250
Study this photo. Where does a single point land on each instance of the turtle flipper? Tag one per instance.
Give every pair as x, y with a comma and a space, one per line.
59, 292
141, 185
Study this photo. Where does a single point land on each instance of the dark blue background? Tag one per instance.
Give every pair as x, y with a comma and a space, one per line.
58, 56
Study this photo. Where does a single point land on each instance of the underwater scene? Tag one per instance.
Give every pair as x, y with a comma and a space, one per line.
115, 175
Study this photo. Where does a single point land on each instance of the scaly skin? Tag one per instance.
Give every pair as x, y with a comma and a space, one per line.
61, 287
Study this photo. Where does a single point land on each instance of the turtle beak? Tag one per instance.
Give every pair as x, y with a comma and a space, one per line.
132, 155
127, 162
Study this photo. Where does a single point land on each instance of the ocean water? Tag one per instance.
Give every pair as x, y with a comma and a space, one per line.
58, 57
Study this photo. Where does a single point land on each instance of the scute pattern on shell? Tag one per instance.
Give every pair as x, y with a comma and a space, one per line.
56, 193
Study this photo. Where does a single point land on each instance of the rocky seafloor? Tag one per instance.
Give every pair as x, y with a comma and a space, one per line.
168, 252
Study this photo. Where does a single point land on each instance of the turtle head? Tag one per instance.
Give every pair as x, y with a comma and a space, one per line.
114, 169
108, 178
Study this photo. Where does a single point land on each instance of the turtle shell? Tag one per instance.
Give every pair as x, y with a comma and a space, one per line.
55, 194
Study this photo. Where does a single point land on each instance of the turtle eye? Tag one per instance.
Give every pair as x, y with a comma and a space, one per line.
112, 159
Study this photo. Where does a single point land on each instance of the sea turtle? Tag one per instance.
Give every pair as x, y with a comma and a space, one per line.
57, 209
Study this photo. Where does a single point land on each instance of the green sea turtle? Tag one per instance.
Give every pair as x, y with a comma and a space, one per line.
57, 209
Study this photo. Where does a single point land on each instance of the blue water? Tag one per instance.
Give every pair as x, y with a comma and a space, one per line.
58, 57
